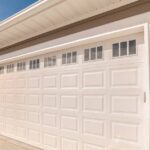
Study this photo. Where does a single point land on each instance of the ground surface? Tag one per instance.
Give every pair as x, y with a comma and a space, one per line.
9, 144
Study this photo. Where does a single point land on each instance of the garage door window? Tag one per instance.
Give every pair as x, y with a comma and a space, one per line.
21, 66
1, 69
125, 48
34, 64
99, 52
49, 61
86, 54
93, 53
10, 68
116, 50
74, 57
69, 58
132, 47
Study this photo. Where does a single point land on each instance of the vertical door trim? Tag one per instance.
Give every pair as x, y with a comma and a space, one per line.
146, 88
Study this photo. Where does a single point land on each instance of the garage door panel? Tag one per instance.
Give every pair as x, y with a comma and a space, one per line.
124, 77
50, 120
34, 136
93, 79
67, 144
49, 101
93, 103
50, 140
69, 123
69, 102
94, 127
69, 80
49, 82
34, 82
125, 105
33, 100
121, 131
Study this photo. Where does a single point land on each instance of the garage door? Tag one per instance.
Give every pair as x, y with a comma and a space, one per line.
90, 102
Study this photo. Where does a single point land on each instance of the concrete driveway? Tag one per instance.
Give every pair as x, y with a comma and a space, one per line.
10, 144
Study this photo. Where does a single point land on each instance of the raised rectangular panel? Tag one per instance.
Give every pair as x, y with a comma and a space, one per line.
2, 84
49, 82
34, 117
69, 123
69, 144
20, 99
49, 101
10, 99
21, 83
124, 104
9, 84
20, 115
34, 135
93, 79
21, 132
69, 81
33, 100
10, 129
93, 127
124, 77
93, 103
69, 102
49, 120
34, 83
92, 147
50, 140
124, 131
10, 113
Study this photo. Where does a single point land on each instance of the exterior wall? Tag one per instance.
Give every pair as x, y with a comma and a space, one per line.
128, 22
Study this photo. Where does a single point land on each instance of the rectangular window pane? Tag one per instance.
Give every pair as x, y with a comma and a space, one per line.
123, 48
49, 61
68, 58
37, 63
54, 61
30, 64
24, 66
1, 69
34, 64
12, 68
86, 54
45, 62
74, 57
93, 53
115, 50
99, 52
63, 58
132, 47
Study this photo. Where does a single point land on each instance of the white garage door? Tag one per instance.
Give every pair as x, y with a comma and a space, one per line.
92, 105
